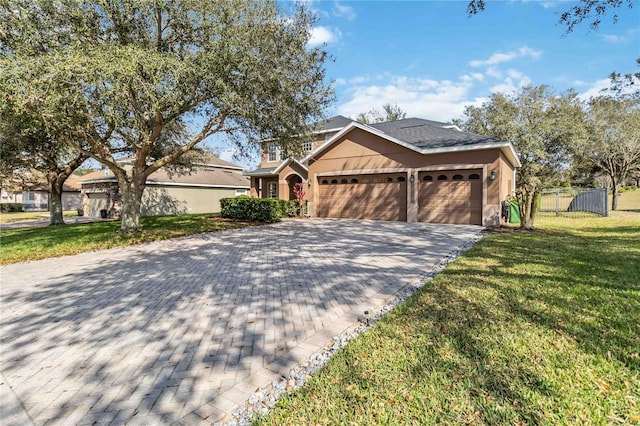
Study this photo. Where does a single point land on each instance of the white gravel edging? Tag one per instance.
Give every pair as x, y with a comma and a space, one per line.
267, 397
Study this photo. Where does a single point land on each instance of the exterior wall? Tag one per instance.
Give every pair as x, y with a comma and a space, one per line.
163, 200
316, 142
10, 196
40, 202
360, 152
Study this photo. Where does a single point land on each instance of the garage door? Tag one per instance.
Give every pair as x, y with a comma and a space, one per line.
95, 203
450, 197
376, 197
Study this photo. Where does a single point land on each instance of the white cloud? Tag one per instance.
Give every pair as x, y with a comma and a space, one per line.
549, 4
612, 38
514, 81
595, 88
321, 35
500, 57
343, 11
436, 100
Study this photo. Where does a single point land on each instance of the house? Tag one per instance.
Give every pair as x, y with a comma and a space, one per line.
166, 192
406, 170
37, 199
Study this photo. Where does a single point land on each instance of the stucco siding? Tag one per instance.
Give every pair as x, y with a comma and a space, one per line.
163, 200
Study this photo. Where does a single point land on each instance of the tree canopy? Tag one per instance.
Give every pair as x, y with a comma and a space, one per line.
389, 113
543, 128
123, 78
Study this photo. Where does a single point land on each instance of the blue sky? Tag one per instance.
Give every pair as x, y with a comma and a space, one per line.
432, 60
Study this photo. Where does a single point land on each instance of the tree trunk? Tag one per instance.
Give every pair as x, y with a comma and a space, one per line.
614, 190
526, 201
131, 205
55, 202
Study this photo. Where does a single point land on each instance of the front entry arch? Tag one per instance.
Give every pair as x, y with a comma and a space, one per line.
292, 180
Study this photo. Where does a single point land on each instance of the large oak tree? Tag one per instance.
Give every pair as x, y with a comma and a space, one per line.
118, 75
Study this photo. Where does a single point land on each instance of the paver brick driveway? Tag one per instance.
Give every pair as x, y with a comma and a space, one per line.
183, 331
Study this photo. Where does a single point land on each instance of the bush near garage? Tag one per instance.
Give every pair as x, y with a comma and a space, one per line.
247, 208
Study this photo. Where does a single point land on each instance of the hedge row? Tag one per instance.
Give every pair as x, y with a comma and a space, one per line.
11, 207
260, 209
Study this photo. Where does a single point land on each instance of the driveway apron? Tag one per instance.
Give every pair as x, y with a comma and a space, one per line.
183, 331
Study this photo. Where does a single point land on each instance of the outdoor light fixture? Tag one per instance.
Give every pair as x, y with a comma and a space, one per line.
412, 178
492, 176
308, 182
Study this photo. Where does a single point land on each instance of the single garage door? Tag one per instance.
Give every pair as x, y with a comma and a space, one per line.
450, 197
375, 197
95, 203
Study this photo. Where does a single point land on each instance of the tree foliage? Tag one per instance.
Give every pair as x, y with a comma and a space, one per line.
592, 11
124, 77
27, 151
613, 145
389, 113
543, 127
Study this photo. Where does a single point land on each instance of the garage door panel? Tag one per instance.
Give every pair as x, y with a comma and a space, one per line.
370, 197
450, 201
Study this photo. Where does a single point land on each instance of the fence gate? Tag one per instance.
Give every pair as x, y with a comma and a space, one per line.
574, 202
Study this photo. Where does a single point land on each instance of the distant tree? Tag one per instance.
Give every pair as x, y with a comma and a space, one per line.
28, 152
543, 127
613, 145
123, 76
389, 113
585, 10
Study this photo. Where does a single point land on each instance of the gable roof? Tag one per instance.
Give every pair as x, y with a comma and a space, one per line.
424, 137
222, 177
332, 124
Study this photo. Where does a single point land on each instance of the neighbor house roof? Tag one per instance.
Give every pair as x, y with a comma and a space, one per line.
425, 137
332, 124
72, 184
204, 176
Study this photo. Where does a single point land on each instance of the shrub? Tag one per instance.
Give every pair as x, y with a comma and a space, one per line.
288, 208
11, 207
247, 208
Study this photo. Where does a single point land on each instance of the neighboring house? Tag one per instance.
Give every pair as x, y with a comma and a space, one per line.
198, 191
9, 196
406, 170
37, 199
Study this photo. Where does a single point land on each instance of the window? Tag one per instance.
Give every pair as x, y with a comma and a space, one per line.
31, 196
402, 179
427, 177
442, 177
272, 190
474, 176
272, 152
354, 180
241, 192
324, 182
334, 181
306, 146
457, 177
389, 179
343, 181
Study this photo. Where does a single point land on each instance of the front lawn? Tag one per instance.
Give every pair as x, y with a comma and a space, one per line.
18, 245
6, 217
525, 328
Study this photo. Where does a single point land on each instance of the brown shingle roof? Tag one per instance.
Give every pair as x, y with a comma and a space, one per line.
204, 176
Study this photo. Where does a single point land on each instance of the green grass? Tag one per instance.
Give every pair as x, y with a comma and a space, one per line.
524, 328
18, 245
24, 216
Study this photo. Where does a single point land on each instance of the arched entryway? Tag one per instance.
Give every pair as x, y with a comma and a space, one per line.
292, 180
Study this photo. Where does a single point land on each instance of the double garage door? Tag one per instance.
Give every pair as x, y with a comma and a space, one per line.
443, 197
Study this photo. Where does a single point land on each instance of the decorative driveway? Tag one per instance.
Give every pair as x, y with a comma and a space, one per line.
183, 331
